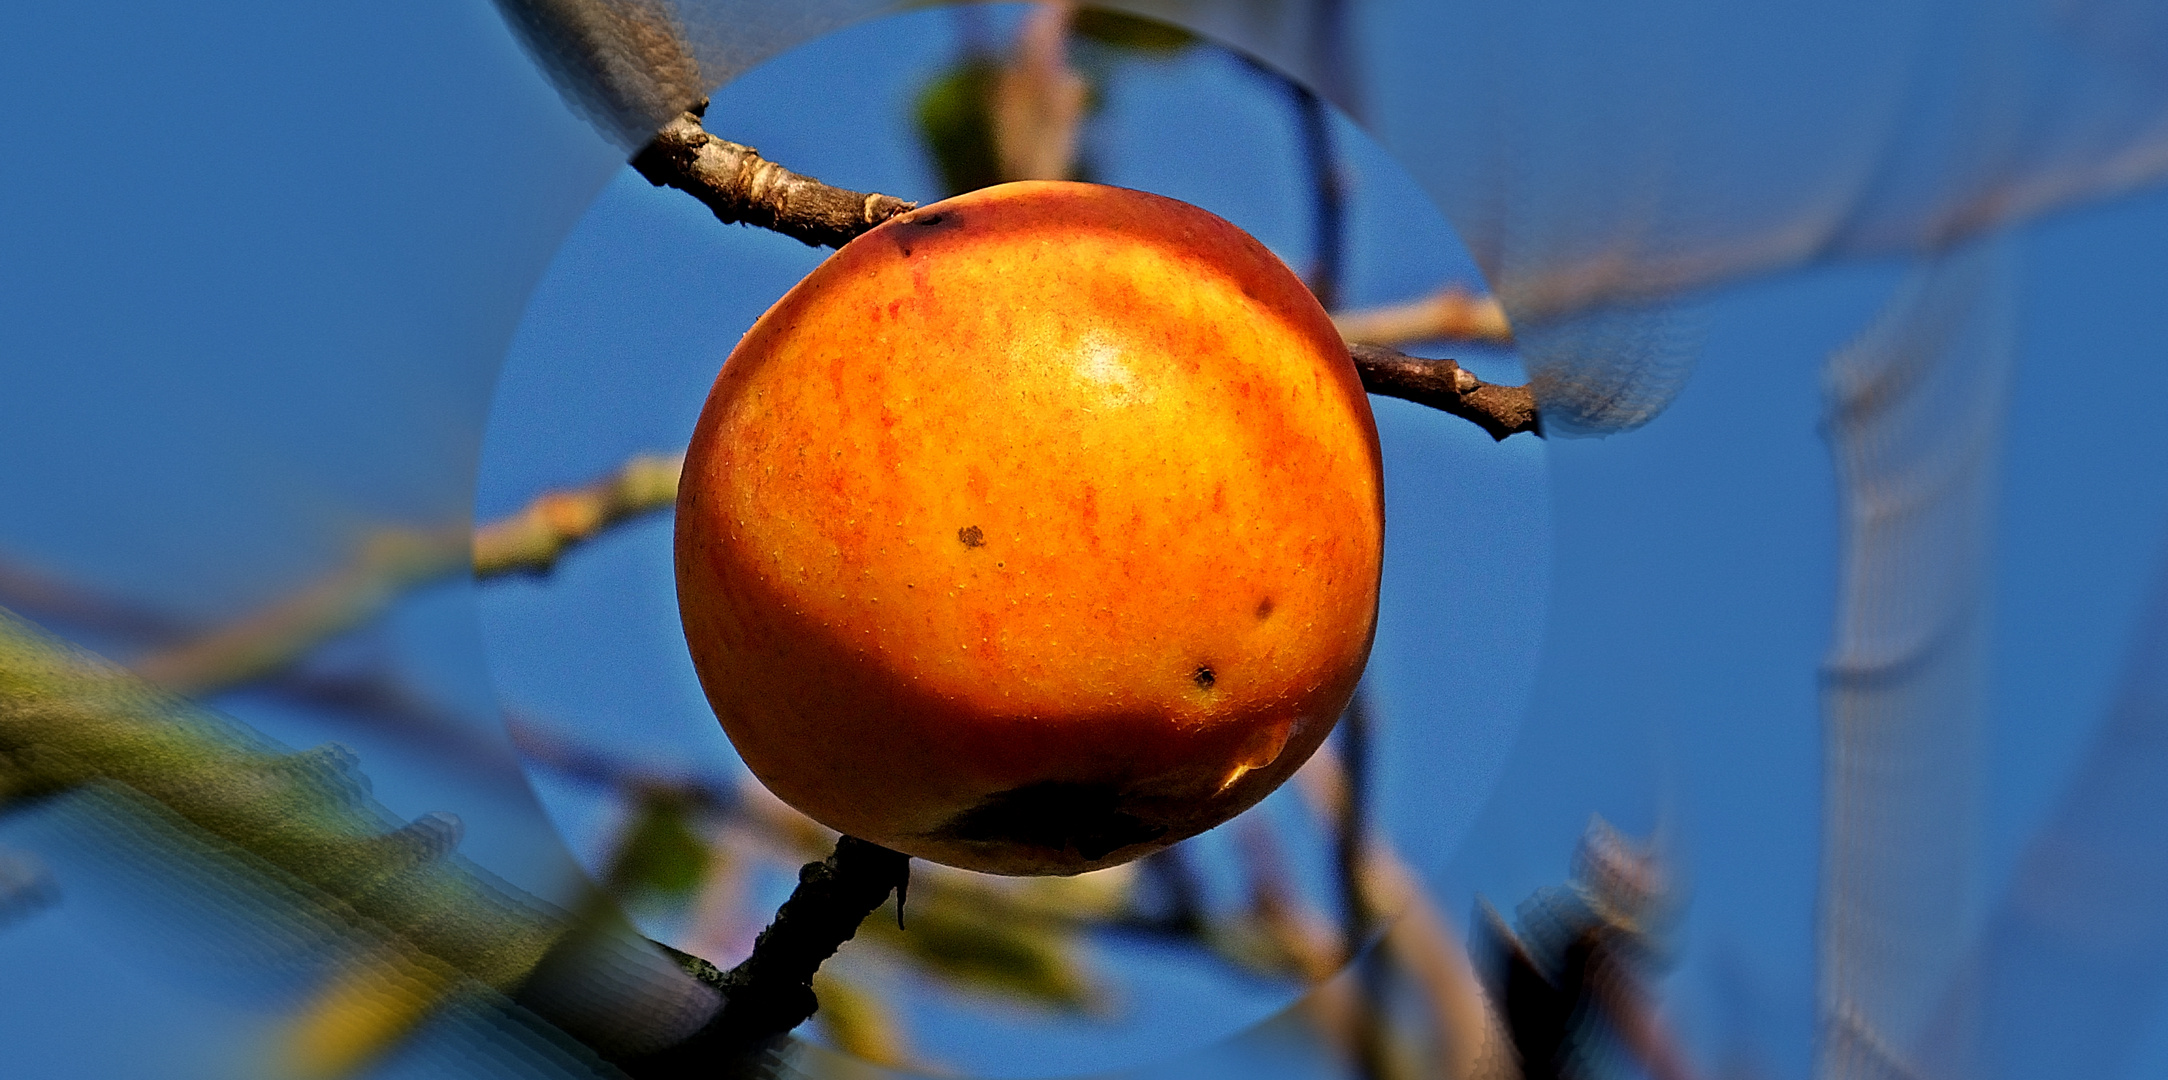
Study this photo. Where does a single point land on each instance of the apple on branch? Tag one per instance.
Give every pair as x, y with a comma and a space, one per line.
1035, 530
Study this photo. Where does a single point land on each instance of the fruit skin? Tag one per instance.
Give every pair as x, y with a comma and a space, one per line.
1033, 531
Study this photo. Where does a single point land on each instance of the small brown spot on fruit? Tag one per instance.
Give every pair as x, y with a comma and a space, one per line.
1205, 677
971, 536
1264, 609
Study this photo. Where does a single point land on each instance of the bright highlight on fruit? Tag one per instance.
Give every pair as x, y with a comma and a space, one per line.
1034, 531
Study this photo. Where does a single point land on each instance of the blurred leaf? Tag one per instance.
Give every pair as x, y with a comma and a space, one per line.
857, 1022
955, 121
1133, 33
367, 1006
659, 851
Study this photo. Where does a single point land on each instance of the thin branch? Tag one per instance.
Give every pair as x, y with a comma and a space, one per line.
31, 591
1351, 825
1418, 938
1452, 313
1351, 843
532, 540
272, 638
1445, 385
391, 561
742, 187
1328, 194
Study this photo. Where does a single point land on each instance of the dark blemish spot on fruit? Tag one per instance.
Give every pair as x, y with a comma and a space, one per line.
927, 220
1205, 678
1054, 816
1264, 609
971, 536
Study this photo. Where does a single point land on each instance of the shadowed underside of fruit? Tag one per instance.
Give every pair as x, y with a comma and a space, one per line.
1089, 821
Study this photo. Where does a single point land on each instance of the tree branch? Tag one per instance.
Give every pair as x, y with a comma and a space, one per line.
1445, 385
1450, 313
772, 991
1328, 193
268, 640
743, 188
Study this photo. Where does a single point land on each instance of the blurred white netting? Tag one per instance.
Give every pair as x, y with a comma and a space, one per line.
2073, 963
1915, 422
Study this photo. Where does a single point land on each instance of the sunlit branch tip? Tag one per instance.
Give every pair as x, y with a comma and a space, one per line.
532, 540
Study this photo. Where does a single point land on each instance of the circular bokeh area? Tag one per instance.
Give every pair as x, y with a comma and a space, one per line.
991, 976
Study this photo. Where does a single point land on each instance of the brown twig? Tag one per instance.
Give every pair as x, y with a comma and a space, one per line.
742, 187
1445, 385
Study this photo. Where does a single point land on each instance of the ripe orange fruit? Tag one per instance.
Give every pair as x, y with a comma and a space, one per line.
1033, 531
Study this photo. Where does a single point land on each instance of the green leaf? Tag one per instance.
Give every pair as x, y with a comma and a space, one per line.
955, 121
660, 852
1134, 33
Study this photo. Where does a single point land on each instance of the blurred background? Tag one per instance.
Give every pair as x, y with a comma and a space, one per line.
1806, 723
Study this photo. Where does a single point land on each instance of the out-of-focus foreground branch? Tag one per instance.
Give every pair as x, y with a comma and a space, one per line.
299, 831
1451, 314
69, 723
